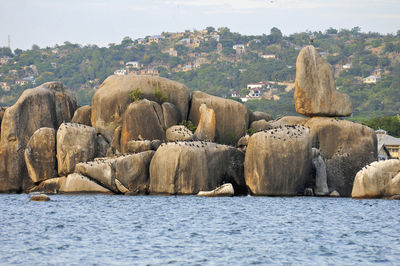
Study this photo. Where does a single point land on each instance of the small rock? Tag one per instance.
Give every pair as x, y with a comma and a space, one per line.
334, 194
40, 197
226, 190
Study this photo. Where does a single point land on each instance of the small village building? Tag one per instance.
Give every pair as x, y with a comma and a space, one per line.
4, 86
391, 143
4, 60
141, 41
239, 48
268, 56
172, 52
186, 41
156, 38
235, 94
22, 82
347, 66
120, 72
132, 64
371, 79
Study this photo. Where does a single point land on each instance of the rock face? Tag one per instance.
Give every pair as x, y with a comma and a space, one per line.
379, 179
190, 167
142, 119
112, 99
83, 115
45, 106
260, 125
243, 142
226, 190
206, 127
40, 155
179, 133
135, 146
346, 146
278, 161
2, 110
321, 180
126, 173
76, 183
256, 116
231, 117
171, 115
288, 121
315, 90
41, 197
72, 149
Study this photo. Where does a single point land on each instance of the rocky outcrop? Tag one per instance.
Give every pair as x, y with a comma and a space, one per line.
135, 146
226, 190
190, 167
242, 143
72, 149
315, 90
102, 146
321, 180
142, 120
256, 116
231, 117
260, 125
83, 115
287, 121
123, 174
2, 110
40, 155
171, 115
206, 127
346, 146
45, 106
379, 179
113, 97
40, 197
179, 133
76, 183
278, 161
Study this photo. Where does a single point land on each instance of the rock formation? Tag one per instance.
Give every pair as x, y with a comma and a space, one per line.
40, 155
346, 146
83, 115
142, 119
113, 97
75, 143
171, 115
378, 179
278, 161
45, 106
226, 190
315, 90
190, 167
135, 146
321, 180
231, 117
206, 127
256, 116
179, 133
260, 125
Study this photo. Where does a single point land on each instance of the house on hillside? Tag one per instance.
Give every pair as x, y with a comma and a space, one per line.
235, 94
22, 82
239, 48
120, 72
391, 144
260, 85
4, 60
172, 52
186, 41
371, 79
347, 66
268, 56
156, 38
132, 64
141, 41
4, 86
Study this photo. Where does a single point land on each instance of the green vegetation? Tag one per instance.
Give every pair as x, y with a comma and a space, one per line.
160, 96
213, 66
189, 124
136, 95
251, 131
389, 123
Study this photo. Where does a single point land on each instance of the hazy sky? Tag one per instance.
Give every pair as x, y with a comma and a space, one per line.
50, 22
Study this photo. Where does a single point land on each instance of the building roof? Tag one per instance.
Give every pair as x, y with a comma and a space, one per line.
387, 140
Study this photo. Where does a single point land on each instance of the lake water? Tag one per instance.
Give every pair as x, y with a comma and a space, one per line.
188, 230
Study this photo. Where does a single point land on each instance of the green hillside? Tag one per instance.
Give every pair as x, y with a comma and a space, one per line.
218, 61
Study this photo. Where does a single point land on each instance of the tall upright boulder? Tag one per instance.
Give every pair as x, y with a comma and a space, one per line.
190, 167
142, 119
75, 143
346, 146
45, 106
83, 115
278, 161
113, 97
231, 117
315, 90
40, 155
206, 128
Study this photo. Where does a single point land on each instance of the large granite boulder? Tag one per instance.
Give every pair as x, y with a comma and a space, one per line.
179, 133
142, 120
75, 143
76, 183
113, 97
126, 173
45, 106
378, 179
315, 90
231, 117
278, 161
226, 190
287, 121
346, 146
190, 167
171, 115
256, 116
40, 155
135, 146
206, 127
260, 125
83, 115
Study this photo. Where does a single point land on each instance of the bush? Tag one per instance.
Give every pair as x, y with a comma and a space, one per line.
189, 124
160, 96
136, 95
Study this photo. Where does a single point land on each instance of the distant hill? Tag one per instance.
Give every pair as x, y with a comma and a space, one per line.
219, 62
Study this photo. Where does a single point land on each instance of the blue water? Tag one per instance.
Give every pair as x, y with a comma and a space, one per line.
187, 230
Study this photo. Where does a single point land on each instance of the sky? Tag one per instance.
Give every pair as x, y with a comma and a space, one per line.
101, 22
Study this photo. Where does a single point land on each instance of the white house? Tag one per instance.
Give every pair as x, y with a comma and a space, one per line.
120, 72
371, 79
132, 64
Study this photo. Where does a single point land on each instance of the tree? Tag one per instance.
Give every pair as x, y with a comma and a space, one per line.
210, 29
35, 47
275, 35
331, 31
